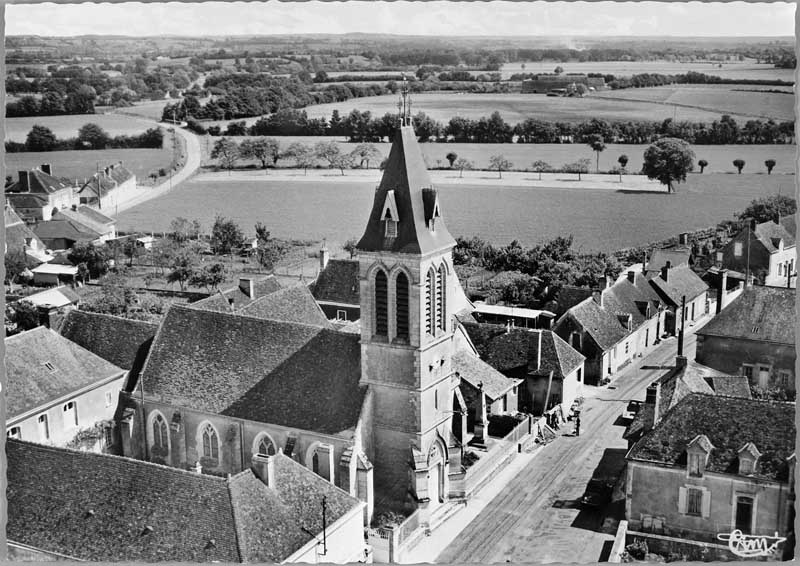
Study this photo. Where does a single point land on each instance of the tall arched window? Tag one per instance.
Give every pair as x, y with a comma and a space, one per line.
401, 313
210, 442
265, 446
429, 298
441, 320
315, 463
160, 433
381, 304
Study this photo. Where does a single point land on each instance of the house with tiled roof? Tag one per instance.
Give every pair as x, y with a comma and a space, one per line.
714, 464
108, 187
638, 307
675, 256
57, 390
66, 504
37, 194
336, 288
20, 239
754, 336
766, 251
248, 289
290, 304
68, 226
552, 371
680, 290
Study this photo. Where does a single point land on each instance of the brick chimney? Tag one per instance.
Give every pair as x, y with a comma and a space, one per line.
653, 397
722, 290
264, 468
665, 271
46, 168
247, 286
632, 276
324, 256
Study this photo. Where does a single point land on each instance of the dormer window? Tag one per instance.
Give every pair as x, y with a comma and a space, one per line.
697, 453
391, 228
390, 216
748, 459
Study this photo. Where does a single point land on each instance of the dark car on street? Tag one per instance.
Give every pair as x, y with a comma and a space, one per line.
597, 494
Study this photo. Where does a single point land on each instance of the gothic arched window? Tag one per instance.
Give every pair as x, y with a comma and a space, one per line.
266, 447
429, 300
441, 320
210, 442
160, 433
401, 314
381, 304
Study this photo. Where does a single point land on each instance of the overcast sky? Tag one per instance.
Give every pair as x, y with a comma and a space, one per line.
413, 18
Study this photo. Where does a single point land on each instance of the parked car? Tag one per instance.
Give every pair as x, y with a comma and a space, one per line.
597, 494
631, 410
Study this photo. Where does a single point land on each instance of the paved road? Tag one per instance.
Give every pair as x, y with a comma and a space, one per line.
535, 518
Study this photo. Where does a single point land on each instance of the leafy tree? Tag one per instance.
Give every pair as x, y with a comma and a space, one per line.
558, 70
163, 253
25, 315
350, 246
236, 129
116, 296
225, 235
321, 77
94, 136
41, 138
15, 263
94, 257
344, 161
179, 229
769, 208
183, 269
269, 250
210, 277
598, 146
739, 164
581, 89
132, 250
227, 151
770, 164
364, 153
302, 154
623, 162
266, 150
580, 167
451, 157
462, 164
702, 164
540, 167
328, 151
668, 160
500, 163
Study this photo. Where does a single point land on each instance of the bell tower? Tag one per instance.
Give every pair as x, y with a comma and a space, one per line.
408, 293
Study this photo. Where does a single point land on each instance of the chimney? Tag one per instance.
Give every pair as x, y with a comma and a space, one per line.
644, 264
597, 296
683, 238
47, 168
722, 289
247, 286
264, 469
23, 180
539, 352
197, 468
665, 271
683, 322
324, 256
632, 276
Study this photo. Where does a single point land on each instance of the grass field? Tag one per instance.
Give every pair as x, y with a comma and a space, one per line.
516, 107
67, 126
81, 164
152, 109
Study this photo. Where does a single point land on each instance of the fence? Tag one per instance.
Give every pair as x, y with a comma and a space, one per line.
388, 543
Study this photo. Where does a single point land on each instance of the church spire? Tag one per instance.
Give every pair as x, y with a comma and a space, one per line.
404, 104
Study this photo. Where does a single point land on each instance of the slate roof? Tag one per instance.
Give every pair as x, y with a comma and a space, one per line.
100, 184
54, 297
519, 348
290, 374
729, 423
677, 256
292, 304
27, 200
67, 228
95, 215
624, 297
97, 507
338, 283
406, 175
121, 341
476, 372
38, 182
219, 301
31, 384
768, 233
569, 296
681, 281
88, 217
789, 224
730, 386
604, 328
759, 313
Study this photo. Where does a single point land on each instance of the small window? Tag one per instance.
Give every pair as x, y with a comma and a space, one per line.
784, 378
695, 468
109, 398
737, 249
341, 315
14, 432
391, 228
579, 374
435, 398
50, 367
44, 428
747, 371
505, 403
514, 390
745, 466
70, 414
109, 436
626, 347
694, 501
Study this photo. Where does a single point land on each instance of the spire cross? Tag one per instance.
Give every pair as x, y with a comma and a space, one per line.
404, 104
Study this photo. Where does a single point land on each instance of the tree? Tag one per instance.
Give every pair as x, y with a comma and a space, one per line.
451, 157
702, 164
328, 151
302, 154
183, 269
581, 89
26, 315
344, 161
265, 150
558, 70
179, 229
770, 164
668, 160
227, 151
598, 146
16, 264
93, 136
269, 250
623, 162
739, 164
769, 208
350, 246
210, 277
132, 250
41, 138
94, 257
225, 235
500, 163
540, 167
364, 153
462, 164
581, 166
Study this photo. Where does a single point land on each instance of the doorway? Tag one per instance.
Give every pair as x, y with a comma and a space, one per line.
744, 514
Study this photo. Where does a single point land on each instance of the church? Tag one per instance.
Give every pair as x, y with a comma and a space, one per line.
380, 414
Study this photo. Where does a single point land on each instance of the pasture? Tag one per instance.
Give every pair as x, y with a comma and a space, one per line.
82, 164
67, 126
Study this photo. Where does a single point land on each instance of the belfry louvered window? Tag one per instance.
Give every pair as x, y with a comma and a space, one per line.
429, 282
381, 304
402, 306
440, 298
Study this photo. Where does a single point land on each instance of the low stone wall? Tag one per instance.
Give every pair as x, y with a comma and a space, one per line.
688, 550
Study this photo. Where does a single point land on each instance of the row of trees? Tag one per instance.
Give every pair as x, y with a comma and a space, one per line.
90, 136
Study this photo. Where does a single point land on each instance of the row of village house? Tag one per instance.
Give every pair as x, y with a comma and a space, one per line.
366, 391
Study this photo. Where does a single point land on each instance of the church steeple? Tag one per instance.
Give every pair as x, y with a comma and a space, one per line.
406, 215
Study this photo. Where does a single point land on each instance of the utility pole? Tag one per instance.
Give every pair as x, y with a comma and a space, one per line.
683, 319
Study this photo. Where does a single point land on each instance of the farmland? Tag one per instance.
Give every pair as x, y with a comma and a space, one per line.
315, 209
67, 126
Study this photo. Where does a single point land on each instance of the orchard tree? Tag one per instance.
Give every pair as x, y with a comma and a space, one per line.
579, 167
558, 70
770, 164
623, 162
183, 269
266, 150
227, 152
598, 146
41, 138
269, 250
540, 167
668, 160
328, 151
702, 164
94, 257
302, 154
364, 153
94, 136
344, 161
225, 235
462, 164
210, 277
500, 163
16, 264
768, 208
451, 157
739, 164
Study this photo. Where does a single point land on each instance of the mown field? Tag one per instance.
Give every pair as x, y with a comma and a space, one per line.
338, 211
82, 164
726, 99
67, 126
517, 107
720, 157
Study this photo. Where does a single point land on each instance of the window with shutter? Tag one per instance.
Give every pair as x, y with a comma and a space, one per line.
429, 290
441, 321
694, 501
381, 304
402, 306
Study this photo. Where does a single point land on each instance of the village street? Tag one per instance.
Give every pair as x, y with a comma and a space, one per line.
536, 517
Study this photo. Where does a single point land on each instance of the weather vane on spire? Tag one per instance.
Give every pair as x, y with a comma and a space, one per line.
404, 104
